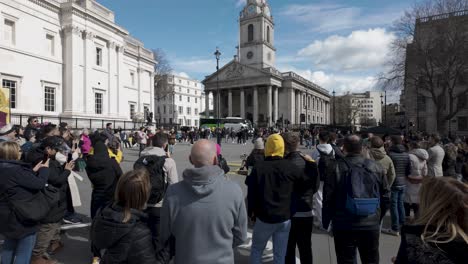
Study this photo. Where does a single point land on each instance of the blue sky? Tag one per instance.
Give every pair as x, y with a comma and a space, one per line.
339, 44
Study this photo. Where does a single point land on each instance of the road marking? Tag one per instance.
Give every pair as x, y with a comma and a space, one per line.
74, 226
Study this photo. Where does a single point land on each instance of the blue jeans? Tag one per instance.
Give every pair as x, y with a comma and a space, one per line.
397, 208
262, 233
18, 251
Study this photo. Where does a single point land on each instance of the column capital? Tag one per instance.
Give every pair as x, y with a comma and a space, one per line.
88, 35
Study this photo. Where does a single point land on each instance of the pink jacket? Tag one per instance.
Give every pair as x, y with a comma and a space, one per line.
86, 147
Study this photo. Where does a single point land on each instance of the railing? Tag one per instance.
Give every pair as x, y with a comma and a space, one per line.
296, 76
442, 16
78, 123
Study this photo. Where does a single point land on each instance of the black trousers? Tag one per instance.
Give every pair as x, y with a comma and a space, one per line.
408, 208
300, 235
346, 243
164, 253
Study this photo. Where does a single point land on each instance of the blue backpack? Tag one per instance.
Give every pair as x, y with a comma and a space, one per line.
362, 190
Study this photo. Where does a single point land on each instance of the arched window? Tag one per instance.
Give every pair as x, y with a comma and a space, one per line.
268, 34
251, 33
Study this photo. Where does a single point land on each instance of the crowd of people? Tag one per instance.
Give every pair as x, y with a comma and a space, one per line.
344, 187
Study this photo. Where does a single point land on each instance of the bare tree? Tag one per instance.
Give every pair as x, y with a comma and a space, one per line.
347, 111
430, 55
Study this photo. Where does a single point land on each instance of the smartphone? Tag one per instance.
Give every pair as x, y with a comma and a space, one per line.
166, 149
45, 158
70, 157
76, 145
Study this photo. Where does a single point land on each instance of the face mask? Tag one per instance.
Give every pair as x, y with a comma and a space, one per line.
62, 159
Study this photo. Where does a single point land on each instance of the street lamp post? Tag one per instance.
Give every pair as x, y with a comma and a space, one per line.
382, 108
385, 107
334, 107
217, 55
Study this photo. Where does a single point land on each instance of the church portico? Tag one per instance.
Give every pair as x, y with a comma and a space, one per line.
250, 87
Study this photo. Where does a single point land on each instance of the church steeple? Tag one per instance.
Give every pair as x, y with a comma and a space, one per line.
257, 35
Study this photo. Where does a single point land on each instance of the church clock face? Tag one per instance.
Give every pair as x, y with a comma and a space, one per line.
250, 55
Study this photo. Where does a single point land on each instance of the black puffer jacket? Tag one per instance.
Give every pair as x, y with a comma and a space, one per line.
413, 250
124, 242
402, 163
334, 196
18, 181
103, 172
270, 189
305, 192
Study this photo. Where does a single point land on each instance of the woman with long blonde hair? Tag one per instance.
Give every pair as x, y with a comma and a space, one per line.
440, 233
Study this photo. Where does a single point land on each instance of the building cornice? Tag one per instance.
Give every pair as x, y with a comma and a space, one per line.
49, 5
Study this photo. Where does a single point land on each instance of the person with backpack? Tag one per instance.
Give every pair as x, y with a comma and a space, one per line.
204, 213
303, 220
401, 161
104, 173
163, 173
120, 229
324, 156
21, 182
352, 194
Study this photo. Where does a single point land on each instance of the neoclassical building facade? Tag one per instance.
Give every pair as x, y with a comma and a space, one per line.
251, 87
69, 58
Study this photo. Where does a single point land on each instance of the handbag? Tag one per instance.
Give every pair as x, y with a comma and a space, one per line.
37, 206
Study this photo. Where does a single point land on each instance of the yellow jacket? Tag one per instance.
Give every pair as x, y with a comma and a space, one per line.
118, 157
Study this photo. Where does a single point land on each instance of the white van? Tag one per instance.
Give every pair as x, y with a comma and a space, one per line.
234, 126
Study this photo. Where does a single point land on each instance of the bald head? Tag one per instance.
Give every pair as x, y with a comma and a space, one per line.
203, 153
352, 144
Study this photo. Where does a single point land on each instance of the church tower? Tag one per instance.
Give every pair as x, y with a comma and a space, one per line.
257, 35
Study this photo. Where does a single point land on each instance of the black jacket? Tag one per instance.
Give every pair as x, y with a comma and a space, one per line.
412, 249
334, 196
304, 195
253, 158
103, 172
402, 164
270, 188
18, 181
124, 242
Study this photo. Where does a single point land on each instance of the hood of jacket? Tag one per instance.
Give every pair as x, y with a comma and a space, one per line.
13, 163
397, 149
420, 153
100, 159
377, 153
202, 181
108, 227
274, 146
325, 148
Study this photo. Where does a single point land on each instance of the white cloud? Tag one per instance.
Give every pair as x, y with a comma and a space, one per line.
334, 17
183, 74
360, 50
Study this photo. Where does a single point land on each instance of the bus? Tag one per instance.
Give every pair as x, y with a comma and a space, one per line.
213, 122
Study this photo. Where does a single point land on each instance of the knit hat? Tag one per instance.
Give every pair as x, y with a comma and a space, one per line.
6, 129
274, 146
258, 144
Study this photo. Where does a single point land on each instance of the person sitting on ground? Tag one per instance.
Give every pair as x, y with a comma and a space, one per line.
440, 233
19, 181
209, 202
120, 229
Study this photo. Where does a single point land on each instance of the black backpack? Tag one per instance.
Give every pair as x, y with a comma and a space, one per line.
326, 161
155, 167
362, 190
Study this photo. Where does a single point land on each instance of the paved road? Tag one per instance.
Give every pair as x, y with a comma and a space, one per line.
77, 247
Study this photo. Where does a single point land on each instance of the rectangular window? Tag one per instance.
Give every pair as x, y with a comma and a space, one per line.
180, 121
180, 98
98, 103
12, 85
196, 111
196, 100
421, 103
132, 111
164, 109
9, 34
132, 78
49, 99
189, 111
196, 123
170, 121
188, 91
181, 110
188, 99
180, 89
98, 56
189, 122
50, 44
463, 123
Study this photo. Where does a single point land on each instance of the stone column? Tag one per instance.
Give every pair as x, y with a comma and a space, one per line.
255, 105
292, 100
298, 107
120, 71
269, 105
275, 105
90, 61
207, 104
242, 103
140, 94
73, 86
230, 103
112, 78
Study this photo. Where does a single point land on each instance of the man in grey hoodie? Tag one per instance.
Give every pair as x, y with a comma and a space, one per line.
205, 213
325, 150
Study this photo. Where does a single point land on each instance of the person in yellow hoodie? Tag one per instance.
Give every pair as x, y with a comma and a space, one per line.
270, 188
